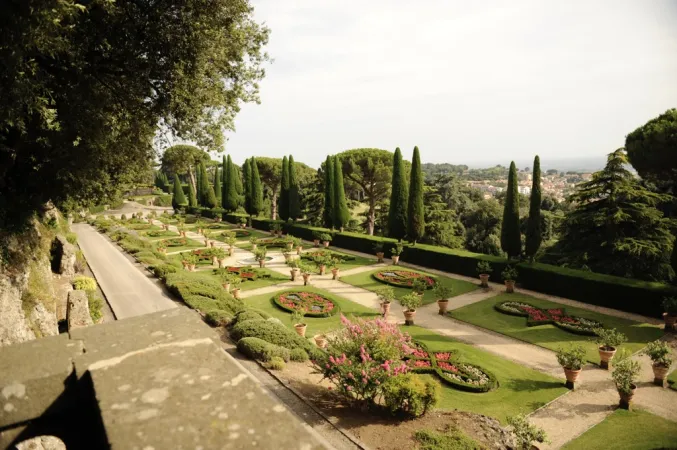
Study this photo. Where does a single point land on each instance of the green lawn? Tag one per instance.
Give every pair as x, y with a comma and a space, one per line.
170, 234
628, 430
484, 315
521, 390
316, 325
247, 285
366, 281
191, 245
356, 261
672, 380
243, 239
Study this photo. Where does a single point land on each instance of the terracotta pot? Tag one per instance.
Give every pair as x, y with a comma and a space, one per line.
409, 317
484, 280
299, 249
185, 264
606, 355
230, 251
380, 256
670, 321
442, 305
191, 267
290, 246
301, 329
206, 242
323, 269
243, 225
335, 273
226, 286
253, 247
326, 244
316, 242
306, 278
385, 309
509, 286
215, 261
571, 375
222, 263
211, 244
279, 234
294, 273
183, 234
626, 397
396, 259
236, 292
321, 341
262, 263
199, 231
659, 374
218, 219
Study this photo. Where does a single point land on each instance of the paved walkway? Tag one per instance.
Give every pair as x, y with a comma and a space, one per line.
128, 291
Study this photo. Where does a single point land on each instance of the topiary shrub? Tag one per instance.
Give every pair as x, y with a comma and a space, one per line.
83, 283
275, 364
197, 291
298, 355
409, 394
162, 270
261, 350
248, 314
269, 332
218, 318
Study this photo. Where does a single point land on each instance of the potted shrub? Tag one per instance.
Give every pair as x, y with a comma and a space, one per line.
316, 238
608, 340
260, 255
298, 244
230, 240
294, 269
305, 273
243, 222
418, 286
321, 341
410, 302
199, 226
276, 229
321, 263
396, 251
287, 256
670, 314
509, 275
386, 295
227, 279
625, 373
378, 249
526, 433
661, 357
571, 359
334, 269
290, 244
253, 240
326, 239
182, 230
442, 294
191, 261
162, 249
297, 321
235, 283
484, 270
218, 257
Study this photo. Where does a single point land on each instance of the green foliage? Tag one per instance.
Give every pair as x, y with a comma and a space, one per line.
72, 238
298, 355
95, 303
609, 337
625, 372
83, 283
409, 394
247, 184
651, 148
410, 302
511, 240
483, 227
178, 198
341, 211
616, 227
571, 357
534, 233
510, 273
328, 212
256, 189
261, 350
248, 314
218, 190
202, 293
192, 196
442, 292
385, 294
484, 267
294, 200
224, 181
275, 363
206, 195
670, 305
526, 433
659, 352
271, 332
283, 209
218, 318
451, 439
162, 270
415, 209
399, 198
231, 197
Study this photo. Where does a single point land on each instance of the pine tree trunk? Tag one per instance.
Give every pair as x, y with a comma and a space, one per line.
274, 206
371, 221
191, 178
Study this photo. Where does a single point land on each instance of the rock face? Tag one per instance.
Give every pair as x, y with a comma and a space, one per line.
42, 443
65, 251
78, 310
14, 327
44, 320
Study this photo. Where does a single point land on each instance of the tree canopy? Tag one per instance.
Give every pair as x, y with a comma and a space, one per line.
511, 238
415, 209
328, 214
284, 190
341, 211
255, 189
178, 198
399, 198
534, 233
231, 199
294, 200
652, 149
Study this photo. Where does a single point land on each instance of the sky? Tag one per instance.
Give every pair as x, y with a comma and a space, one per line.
476, 83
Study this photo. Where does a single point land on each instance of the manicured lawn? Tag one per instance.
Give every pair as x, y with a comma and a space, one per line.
520, 390
246, 285
628, 430
352, 261
672, 380
168, 235
316, 325
190, 245
484, 315
367, 281
241, 239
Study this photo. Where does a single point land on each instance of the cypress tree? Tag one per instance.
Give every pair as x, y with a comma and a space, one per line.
224, 181
284, 191
192, 198
341, 211
328, 213
231, 200
533, 239
198, 184
246, 178
294, 200
217, 185
415, 209
238, 186
178, 199
511, 240
399, 197
206, 195
256, 189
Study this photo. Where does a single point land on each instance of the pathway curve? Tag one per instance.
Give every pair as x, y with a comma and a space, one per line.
128, 291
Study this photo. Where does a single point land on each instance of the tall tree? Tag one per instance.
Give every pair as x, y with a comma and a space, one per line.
615, 227
178, 198
328, 214
399, 198
246, 181
198, 183
270, 171
483, 227
341, 211
239, 188
256, 189
224, 181
192, 197
284, 191
511, 239
534, 232
652, 149
294, 200
231, 199
415, 209
217, 185
207, 191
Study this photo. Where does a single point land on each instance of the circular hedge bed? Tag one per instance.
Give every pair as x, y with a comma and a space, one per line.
176, 242
314, 304
161, 233
272, 242
555, 316
321, 253
242, 233
403, 278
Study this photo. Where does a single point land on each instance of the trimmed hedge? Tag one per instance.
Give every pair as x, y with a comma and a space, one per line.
270, 332
218, 318
201, 293
261, 350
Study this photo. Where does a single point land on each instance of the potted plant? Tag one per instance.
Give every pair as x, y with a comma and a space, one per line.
396, 251
571, 359
418, 286
199, 226
276, 229
243, 222
287, 256
191, 261
305, 273
260, 255
509, 276
230, 240
321, 341
182, 230
661, 357
326, 239
378, 249
410, 302
290, 244
321, 263
235, 283
386, 295
442, 294
294, 268
334, 268
670, 314
484, 270
608, 340
297, 321
526, 433
316, 238
162, 249
625, 373
218, 257
227, 279
253, 240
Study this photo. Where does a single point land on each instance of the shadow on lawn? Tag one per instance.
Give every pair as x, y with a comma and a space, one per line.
521, 385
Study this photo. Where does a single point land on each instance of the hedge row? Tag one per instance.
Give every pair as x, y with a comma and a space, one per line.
625, 294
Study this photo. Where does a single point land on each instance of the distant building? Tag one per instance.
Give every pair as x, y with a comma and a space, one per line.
526, 190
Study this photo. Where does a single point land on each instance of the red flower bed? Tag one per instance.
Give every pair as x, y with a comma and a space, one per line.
446, 366
556, 316
313, 304
443, 356
403, 278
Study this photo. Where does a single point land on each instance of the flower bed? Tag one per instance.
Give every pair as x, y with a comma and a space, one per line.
556, 316
457, 374
272, 242
403, 278
242, 233
314, 305
161, 233
246, 272
175, 242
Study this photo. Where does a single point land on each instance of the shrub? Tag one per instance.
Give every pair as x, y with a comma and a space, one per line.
410, 394
275, 363
509, 273
625, 373
483, 267
572, 357
670, 305
659, 352
187, 286
83, 283
80, 261
72, 238
162, 270
298, 355
410, 302
270, 332
525, 433
275, 351
218, 318
451, 439
95, 303
248, 315
261, 350
609, 337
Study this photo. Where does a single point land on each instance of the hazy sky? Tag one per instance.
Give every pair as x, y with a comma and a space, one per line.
467, 82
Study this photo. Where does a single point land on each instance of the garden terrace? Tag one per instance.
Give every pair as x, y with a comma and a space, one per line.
345, 260
312, 304
175, 245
